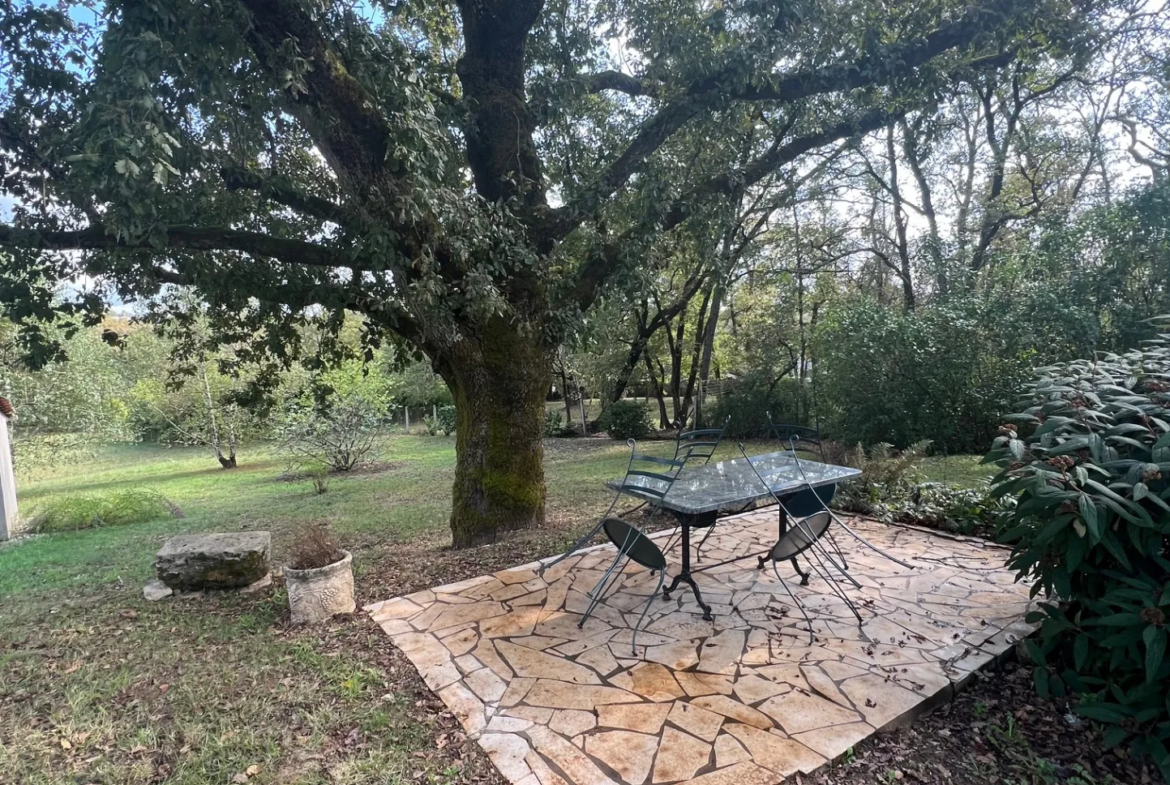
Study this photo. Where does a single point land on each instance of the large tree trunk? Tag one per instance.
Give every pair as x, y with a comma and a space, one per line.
499, 380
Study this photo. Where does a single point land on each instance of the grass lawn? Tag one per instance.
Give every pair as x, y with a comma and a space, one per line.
97, 685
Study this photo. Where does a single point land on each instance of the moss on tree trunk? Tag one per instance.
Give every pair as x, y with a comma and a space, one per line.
499, 382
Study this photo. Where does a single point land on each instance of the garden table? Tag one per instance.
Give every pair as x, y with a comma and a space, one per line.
700, 494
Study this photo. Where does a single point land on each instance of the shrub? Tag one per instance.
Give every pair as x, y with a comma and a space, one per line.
887, 475
554, 426
1090, 529
443, 423
313, 548
342, 435
749, 402
73, 513
626, 420
946, 372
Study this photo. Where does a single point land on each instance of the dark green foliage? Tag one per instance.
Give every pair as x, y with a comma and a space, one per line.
626, 420
72, 513
554, 425
946, 372
1091, 528
749, 403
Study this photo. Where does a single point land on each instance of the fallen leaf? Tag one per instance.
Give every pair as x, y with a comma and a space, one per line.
252, 770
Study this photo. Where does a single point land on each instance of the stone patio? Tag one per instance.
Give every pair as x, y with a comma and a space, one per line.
742, 700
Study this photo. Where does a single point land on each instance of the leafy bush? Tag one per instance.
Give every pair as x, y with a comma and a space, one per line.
1091, 528
554, 426
443, 423
73, 513
749, 403
946, 372
342, 435
886, 475
968, 511
626, 420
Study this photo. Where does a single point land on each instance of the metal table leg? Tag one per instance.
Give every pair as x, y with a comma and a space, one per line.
685, 575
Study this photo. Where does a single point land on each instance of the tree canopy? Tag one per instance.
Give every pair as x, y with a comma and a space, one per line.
470, 177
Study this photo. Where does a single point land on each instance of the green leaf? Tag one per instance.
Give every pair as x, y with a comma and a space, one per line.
1155, 639
1081, 651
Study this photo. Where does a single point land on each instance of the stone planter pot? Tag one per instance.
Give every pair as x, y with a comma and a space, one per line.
315, 595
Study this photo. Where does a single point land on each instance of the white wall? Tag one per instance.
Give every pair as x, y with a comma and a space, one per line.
7, 484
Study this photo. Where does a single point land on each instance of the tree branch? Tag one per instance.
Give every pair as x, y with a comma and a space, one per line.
622, 83
192, 238
869, 70
237, 178
609, 258
339, 112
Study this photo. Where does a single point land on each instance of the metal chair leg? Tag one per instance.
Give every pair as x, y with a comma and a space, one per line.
795, 602
645, 610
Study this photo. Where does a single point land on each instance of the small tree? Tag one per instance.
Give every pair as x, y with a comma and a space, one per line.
337, 422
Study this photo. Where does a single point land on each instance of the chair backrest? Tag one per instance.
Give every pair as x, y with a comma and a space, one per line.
634, 544
808, 501
648, 475
699, 444
796, 435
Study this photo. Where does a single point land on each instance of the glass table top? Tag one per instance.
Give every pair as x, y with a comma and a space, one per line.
732, 483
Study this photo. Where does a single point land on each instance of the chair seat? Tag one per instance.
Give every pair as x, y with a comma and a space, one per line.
801, 536
634, 544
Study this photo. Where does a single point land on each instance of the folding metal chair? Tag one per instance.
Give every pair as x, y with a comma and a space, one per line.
700, 443
824, 503
794, 435
802, 537
632, 544
648, 478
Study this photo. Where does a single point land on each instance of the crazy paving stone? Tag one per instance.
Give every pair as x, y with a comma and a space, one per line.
641, 717
798, 711
572, 722
507, 751
627, 753
752, 689
562, 695
487, 685
600, 660
698, 684
740, 774
650, 680
696, 720
539, 665
467, 708
572, 761
878, 700
834, 740
679, 756
728, 751
514, 624
458, 614
783, 756
721, 704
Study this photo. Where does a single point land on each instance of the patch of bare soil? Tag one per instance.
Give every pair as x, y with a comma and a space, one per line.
996, 732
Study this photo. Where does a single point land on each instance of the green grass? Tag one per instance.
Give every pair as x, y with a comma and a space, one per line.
96, 685
962, 470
